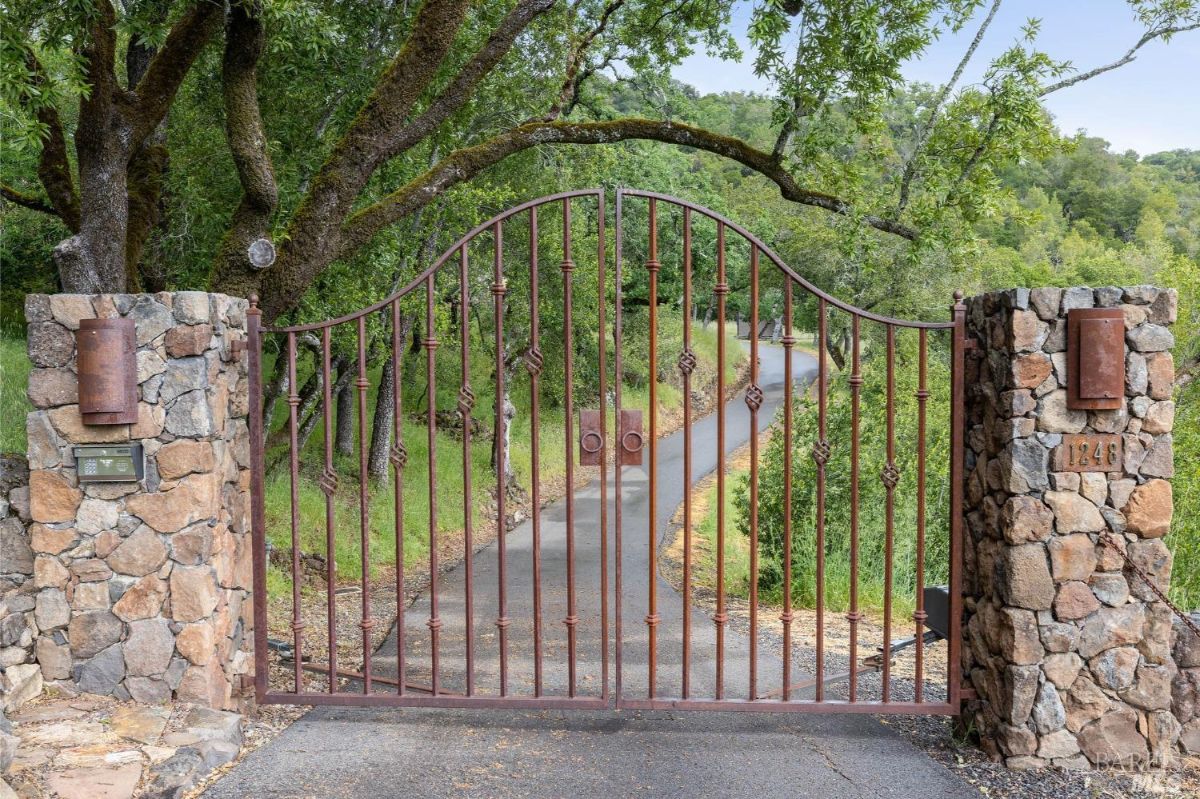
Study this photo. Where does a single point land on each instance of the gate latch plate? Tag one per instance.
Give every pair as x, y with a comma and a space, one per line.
591, 440
631, 440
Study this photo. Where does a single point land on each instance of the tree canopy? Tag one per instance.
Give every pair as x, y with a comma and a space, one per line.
161, 137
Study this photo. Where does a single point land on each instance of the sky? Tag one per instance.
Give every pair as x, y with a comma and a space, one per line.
1150, 105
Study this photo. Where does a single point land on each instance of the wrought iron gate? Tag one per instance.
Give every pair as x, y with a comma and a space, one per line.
529, 620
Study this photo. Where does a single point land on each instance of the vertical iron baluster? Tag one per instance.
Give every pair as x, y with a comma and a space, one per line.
364, 509
258, 535
533, 362
293, 401
919, 614
567, 268
618, 378
329, 486
398, 458
687, 362
753, 402
856, 382
821, 453
435, 622
890, 478
652, 617
600, 260
466, 401
721, 617
498, 290
787, 616
957, 423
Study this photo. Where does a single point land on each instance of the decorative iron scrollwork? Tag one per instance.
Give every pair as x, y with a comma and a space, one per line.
399, 456
328, 482
687, 361
466, 400
754, 397
534, 361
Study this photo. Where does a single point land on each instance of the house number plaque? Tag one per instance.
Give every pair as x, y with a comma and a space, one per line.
1090, 453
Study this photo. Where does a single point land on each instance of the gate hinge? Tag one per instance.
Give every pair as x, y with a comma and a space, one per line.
236, 348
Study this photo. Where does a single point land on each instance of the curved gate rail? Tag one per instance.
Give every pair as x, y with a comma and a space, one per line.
369, 686
781, 699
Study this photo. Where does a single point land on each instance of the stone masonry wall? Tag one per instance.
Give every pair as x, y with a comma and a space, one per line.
1068, 650
20, 678
1185, 690
141, 589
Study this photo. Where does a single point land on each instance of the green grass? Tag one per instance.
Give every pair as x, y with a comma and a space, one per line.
737, 561
737, 545
14, 376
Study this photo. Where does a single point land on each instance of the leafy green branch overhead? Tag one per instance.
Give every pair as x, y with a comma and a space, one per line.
341, 119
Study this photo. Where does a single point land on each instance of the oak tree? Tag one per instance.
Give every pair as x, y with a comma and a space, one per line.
413, 100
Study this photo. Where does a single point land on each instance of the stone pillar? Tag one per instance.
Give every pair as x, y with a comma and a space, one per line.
1066, 648
142, 588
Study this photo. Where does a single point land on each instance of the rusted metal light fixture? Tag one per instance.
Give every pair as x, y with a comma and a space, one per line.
107, 366
1095, 358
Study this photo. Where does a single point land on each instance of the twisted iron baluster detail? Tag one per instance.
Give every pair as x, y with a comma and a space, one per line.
687, 361
466, 401
399, 455
754, 397
328, 482
534, 361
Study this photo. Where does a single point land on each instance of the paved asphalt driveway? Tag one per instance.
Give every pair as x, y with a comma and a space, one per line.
345, 752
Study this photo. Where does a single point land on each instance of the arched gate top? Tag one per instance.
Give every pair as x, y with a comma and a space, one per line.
753, 240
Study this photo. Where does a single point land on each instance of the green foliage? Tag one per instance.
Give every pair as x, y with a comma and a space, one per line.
14, 376
997, 196
1184, 540
773, 501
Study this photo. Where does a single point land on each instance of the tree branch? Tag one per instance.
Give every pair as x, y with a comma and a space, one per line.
27, 201
571, 79
355, 157
170, 65
585, 73
910, 165
459, 91
54, 168
100, 52
245, 40
465, 163
976, 156
788, 129
1130, 55
94, 258
146, 168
